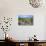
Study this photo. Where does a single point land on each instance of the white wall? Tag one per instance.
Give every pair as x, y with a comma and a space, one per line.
24, 32
13, 8
45, 29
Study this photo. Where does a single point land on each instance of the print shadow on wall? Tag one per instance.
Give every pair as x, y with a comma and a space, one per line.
25, 20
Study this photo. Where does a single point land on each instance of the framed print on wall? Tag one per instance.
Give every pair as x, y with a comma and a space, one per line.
25, 20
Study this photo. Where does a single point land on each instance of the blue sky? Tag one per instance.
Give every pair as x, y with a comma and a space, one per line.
25, 16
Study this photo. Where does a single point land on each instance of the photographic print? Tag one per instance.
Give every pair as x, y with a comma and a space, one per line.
25, 20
